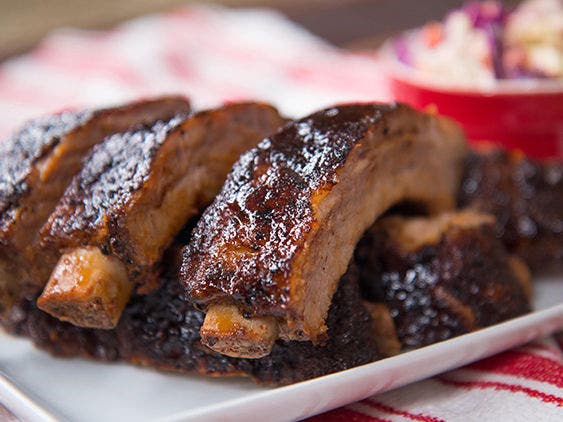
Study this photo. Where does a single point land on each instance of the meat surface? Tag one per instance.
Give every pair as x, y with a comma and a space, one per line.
266, 256
134, 194
525, 196
161, 330
441, 276
36, 165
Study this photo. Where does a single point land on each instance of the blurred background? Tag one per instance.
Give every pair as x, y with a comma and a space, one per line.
348, 23
510, 62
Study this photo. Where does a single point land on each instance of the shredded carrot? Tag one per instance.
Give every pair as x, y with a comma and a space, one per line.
433, 34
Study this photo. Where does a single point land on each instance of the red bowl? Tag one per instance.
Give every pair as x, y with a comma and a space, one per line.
527, 115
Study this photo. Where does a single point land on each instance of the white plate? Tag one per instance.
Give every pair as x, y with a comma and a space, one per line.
38, 387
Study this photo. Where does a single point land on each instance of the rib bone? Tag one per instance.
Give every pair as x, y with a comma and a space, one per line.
226, 329
84, 283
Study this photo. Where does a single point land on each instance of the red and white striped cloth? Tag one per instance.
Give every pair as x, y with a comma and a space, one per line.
211, 54
524, 384
215, 55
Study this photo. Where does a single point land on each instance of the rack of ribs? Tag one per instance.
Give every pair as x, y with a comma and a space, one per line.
133, 195
36, 165
525, 196
441, 276
300, 266
266, 256
161, 330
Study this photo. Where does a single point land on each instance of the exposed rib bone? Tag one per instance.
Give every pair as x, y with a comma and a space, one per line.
87, 288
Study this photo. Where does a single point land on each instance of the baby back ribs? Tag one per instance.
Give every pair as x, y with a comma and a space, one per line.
441, 276
266, 256
134, 194
525, 196
38, 163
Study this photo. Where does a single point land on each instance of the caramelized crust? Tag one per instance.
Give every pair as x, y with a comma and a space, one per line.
137, 190
525, 196
457, 280
279, 236
22, 152
108, 184
161, 330
37, 164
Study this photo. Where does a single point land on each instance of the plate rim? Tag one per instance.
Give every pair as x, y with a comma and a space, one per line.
534, 325
529, 321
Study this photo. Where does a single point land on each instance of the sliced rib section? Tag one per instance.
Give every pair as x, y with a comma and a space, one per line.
281, 233
134, 194
441, 276
36, 165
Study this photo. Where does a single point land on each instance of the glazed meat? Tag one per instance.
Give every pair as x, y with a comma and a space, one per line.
134, 194
266, 256
525, 196
36, 165
161, 330
441, 276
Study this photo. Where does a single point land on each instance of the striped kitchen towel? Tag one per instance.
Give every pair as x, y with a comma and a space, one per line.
211, 54
524, 384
